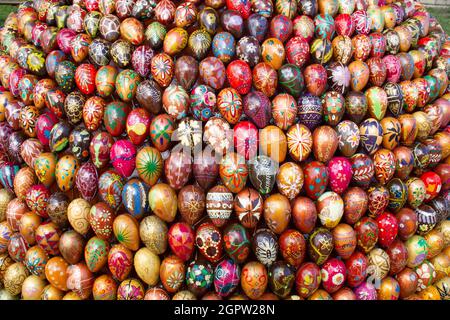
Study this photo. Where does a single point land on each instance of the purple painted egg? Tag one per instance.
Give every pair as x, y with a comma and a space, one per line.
141, 60
339, 173
86, 181
310, 111
123, 157
257, 107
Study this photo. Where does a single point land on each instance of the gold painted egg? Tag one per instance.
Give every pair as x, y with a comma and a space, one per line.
14, 277
52, 293
154, 233
28, 224
147, 265
32, 288
163, 201
78, 215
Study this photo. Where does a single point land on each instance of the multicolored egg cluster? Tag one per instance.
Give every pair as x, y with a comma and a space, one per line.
224, 149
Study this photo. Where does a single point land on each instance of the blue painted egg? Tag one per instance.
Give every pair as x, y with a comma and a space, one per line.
135, 198
224, 46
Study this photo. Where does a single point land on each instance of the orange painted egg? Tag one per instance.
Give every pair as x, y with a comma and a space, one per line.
254, 279
104, 288
35, 260
233, 172
391, 132
172, 273
290, 179
325, 143
163, 201
28, 224
56, 273
384, 163
105, 80
23, 181
273, 52
175, 41
80, 280
277, 212
65, 172
344, 240
284, 110
132, 30
126, 231
229, 103
359, 75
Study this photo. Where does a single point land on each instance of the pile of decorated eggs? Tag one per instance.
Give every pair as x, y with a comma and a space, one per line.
224, 150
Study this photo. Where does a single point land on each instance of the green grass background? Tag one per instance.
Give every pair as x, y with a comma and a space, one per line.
442, 14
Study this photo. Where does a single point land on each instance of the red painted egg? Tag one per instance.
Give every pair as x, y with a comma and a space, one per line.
366, 233
307, 279
85, 78
325, 143
388, 228
316, 179
315, 79
297, 51
407, 223
433, 184
178, 168
99, 149
344, 24
265, 78
47, 237
292, 247
239, 76
398, 256
356, 267
137, 125
241, 6
333, 274
37, 199
181, 240
304, 214
101, 218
